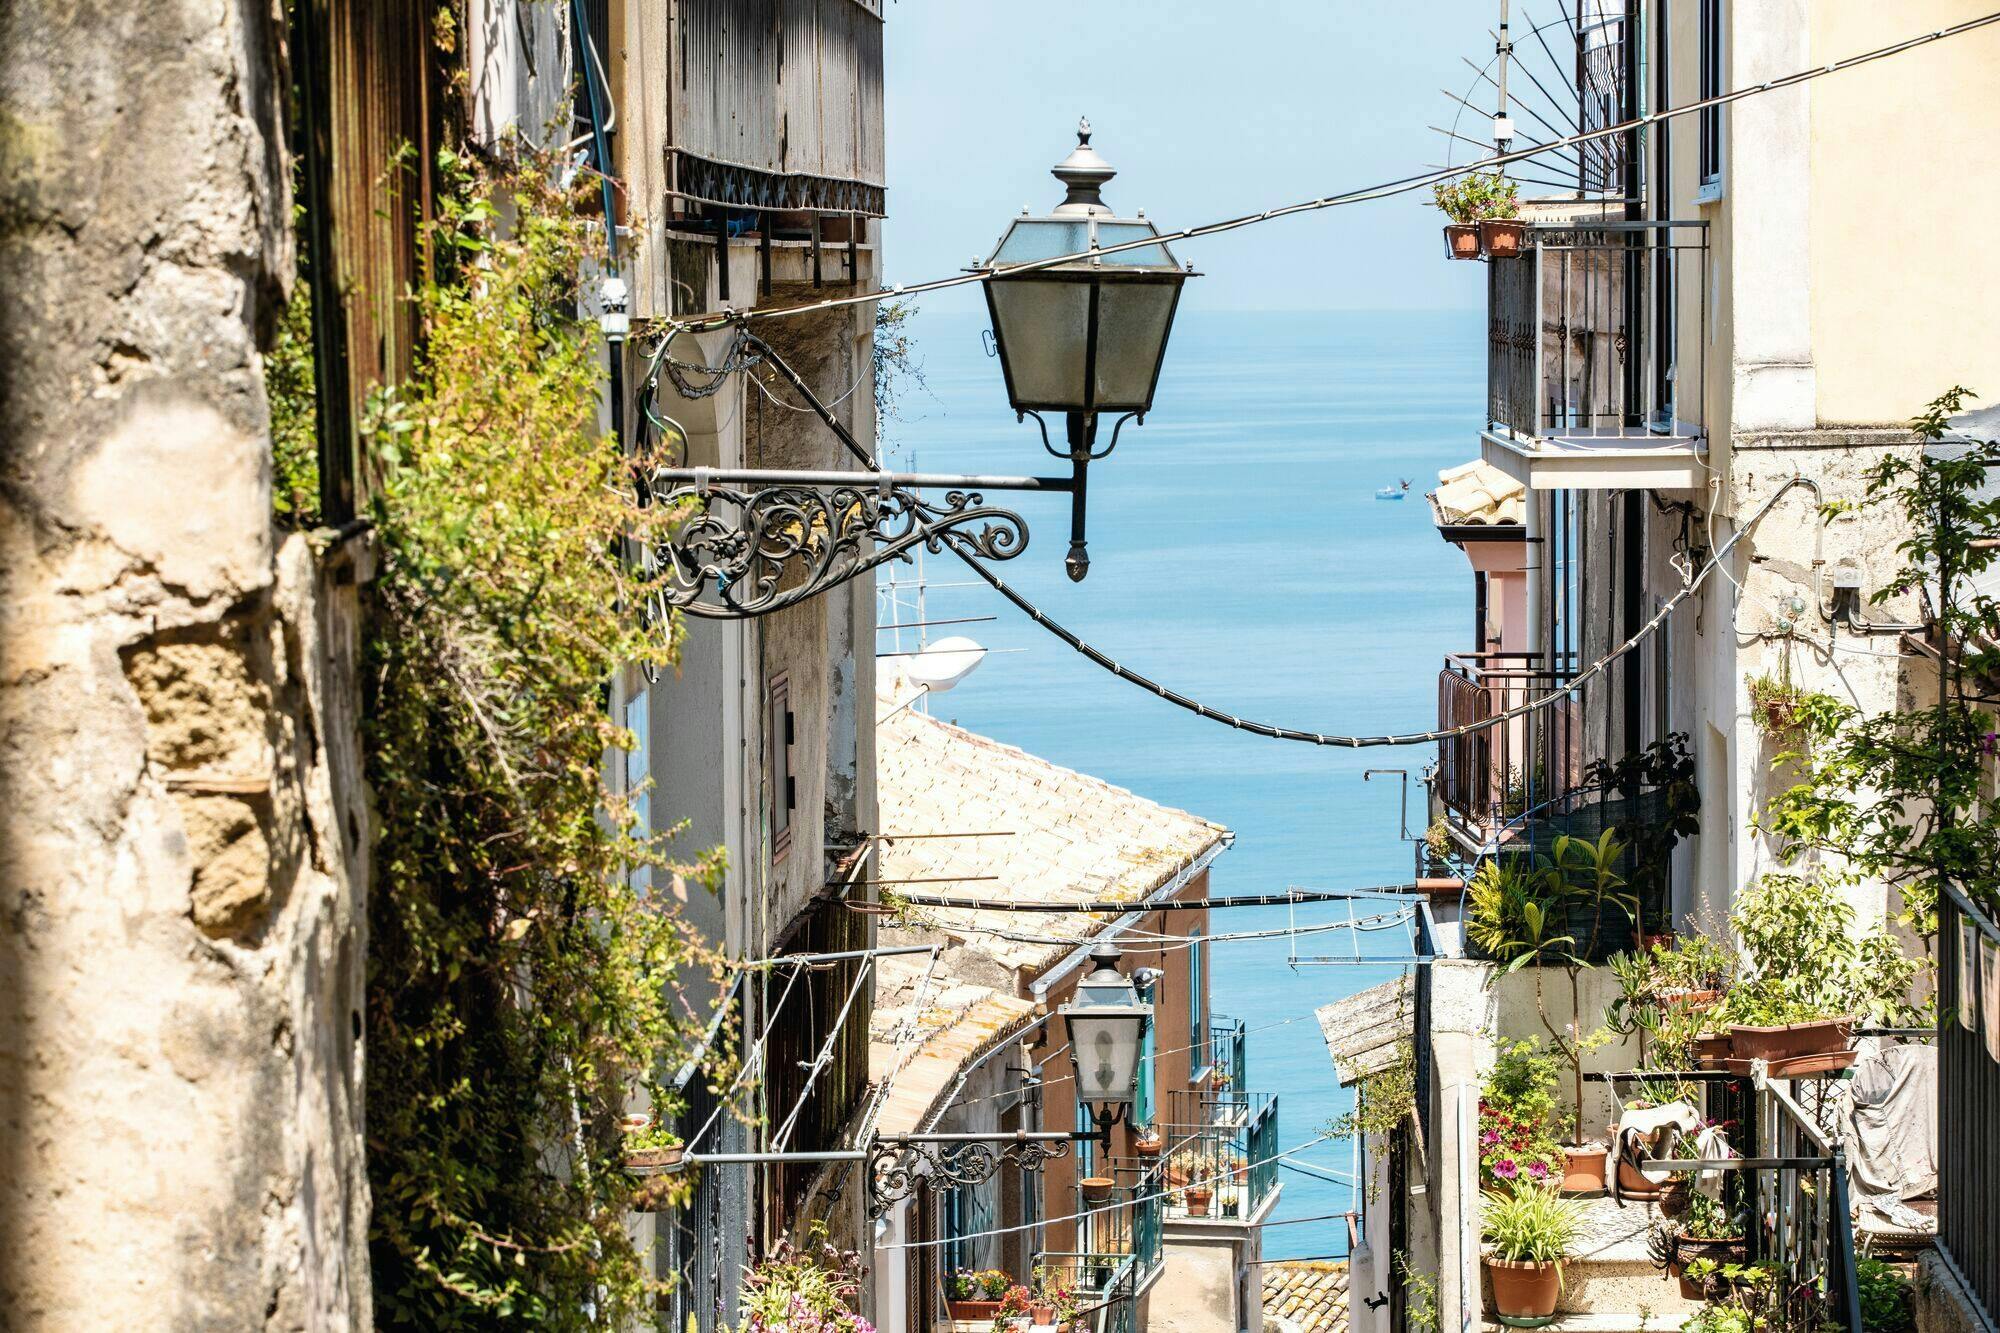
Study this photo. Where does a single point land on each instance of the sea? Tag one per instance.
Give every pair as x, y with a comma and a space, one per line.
1240, 555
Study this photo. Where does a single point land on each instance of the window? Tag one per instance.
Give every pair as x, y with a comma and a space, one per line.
782, 728
1711, 86
638, 778
1197, 991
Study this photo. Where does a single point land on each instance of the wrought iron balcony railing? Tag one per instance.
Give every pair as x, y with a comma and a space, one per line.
1968, 1129
1597, 351
1224, 1142
1490, 781
1228, 1053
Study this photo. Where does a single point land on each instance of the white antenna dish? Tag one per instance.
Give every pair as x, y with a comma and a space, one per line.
944, 663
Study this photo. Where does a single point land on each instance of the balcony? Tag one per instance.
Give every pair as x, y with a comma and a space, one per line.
1585, 389
1226, 1141
1489, 782
1228, 1052
1123, 1254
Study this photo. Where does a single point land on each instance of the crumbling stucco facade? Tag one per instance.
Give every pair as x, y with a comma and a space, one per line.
183, 830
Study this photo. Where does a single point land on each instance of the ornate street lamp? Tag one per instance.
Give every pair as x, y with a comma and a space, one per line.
1084, 337
1107, 1021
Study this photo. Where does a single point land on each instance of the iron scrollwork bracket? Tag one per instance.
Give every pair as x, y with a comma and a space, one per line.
748, 552
899, 1167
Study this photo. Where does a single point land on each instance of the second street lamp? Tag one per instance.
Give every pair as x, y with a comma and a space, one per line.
1084, 337
1107, 1023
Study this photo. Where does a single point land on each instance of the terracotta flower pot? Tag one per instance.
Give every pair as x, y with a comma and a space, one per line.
1096, 1189
1820, 1037
1461, 240
1583, 1169
1711, 1050
1197, 1202
974, 1312
1634, 1183
651, 1161
1524, 1290
1042, 1314
1503, 238
1146, 1147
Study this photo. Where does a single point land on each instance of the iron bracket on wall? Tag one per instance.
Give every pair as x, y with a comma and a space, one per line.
758, 541
901, 1164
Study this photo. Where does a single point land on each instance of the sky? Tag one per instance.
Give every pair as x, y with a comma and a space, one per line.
1207, 110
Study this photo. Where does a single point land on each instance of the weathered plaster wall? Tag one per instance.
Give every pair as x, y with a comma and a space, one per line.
182, 831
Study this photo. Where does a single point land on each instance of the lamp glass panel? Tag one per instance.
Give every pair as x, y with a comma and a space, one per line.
1043, 329
1041, 238
1132, 324
1123, 233
1106, 1049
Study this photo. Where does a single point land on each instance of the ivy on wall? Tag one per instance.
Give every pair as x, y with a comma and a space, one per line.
522, 978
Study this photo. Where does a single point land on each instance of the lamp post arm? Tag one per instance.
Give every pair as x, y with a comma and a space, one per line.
666, 479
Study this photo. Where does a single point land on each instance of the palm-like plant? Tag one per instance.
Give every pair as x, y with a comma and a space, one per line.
1521, 915
1530, 1225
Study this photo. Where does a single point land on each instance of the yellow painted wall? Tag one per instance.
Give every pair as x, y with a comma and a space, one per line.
1905, 187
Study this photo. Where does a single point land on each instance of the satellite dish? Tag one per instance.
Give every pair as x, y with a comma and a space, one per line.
944, 664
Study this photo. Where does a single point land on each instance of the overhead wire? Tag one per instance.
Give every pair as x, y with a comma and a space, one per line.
1386, 189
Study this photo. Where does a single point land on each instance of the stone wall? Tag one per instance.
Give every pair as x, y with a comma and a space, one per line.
182, 826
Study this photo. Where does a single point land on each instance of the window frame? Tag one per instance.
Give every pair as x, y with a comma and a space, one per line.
1711, 159
781, 739
1199, 1061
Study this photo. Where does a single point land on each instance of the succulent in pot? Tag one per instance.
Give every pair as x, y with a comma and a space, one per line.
1472, 200
1528, 1232
1147, 1142
648, 1147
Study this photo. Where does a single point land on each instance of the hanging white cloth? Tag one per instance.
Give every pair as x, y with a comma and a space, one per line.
1889, 1125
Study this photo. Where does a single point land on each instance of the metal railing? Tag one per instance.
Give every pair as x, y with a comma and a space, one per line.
1228, 1051
1488, 780
1968, 1128
1227, 1142
1582, 340
1788, 1186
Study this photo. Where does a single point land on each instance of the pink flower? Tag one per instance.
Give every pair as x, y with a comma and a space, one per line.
1490, 1137
1538, 1169
1505, 1168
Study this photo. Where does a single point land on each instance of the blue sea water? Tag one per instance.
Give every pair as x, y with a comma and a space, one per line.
1239, 555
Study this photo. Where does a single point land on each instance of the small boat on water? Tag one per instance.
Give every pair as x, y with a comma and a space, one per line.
1393, 492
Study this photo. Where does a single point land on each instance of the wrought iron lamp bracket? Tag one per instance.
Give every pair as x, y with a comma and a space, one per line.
756, 542
901, 1164
1089, 455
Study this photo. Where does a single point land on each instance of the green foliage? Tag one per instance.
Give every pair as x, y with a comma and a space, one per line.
1530, 1224
1707, 1218
1885, 1297
1805, 958
1382, 1100
1518, 1114
1420, 1296
1665, 768
1478, 195
895, 358
816, 1281
521, 976
1519, 916
1902, 794
289, 386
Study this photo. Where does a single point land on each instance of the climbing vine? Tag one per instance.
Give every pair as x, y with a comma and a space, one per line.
522, 975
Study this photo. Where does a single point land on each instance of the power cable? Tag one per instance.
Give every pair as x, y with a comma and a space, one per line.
1300, 896
1385, 190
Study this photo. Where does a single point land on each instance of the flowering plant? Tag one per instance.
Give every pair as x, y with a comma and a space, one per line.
805, 1289
1054, 1287
1517, 1112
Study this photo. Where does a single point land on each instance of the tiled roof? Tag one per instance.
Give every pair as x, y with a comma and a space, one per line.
922, 1046
1068, 837
1477, 493
1309, 1297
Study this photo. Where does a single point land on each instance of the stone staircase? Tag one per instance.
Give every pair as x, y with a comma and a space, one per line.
1612, 1286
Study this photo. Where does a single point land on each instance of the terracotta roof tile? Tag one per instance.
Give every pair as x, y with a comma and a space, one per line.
1311, 1296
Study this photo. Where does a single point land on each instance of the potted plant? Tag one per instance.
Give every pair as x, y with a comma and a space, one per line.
1472, 199
1228, 1198
1054, 1300
1096, 1189
1705, 1230
1528, 1230
1517, 1106
816, 1285
1197, 1189
1811, 975
648, 1147
1520, 916
1015, 1302
1774, 705
1147, 1142
976, 1295
1502, 233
